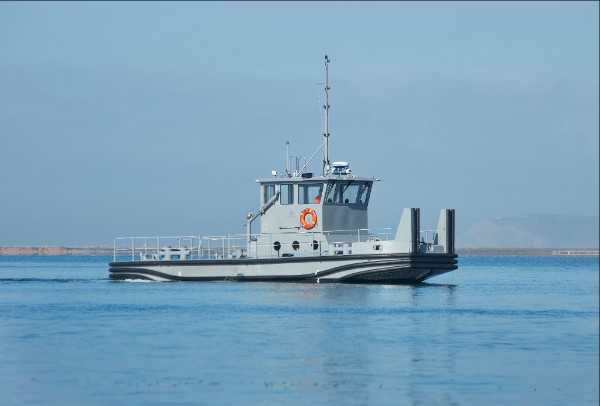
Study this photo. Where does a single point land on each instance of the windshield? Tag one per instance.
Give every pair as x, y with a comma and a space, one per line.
347, 192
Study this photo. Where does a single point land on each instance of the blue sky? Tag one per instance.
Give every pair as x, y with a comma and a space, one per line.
154, 118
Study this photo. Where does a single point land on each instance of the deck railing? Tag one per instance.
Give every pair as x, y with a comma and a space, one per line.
228, 246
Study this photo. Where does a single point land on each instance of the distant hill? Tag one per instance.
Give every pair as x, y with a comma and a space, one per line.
533, 231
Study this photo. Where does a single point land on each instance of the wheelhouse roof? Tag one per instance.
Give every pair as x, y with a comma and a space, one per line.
314, 179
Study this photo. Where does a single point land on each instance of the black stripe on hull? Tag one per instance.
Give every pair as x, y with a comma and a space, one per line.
267, 261
391, 269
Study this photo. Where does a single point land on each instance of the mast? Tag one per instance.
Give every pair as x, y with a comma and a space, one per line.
326, 165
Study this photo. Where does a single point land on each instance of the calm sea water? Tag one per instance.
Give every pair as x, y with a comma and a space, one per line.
500, 330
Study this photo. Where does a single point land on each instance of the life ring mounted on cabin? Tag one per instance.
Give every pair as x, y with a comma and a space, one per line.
308, 225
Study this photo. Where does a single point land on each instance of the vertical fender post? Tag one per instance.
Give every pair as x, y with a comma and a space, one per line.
444, 231
409, 228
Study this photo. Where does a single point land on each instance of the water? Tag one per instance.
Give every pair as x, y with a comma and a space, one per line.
500, 330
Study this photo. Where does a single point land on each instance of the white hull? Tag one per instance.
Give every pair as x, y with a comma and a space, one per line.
389, 269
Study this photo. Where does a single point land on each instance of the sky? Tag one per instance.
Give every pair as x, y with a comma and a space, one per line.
156, 118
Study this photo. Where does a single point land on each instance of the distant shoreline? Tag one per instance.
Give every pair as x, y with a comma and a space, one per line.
465, 251
54, 250
483, 251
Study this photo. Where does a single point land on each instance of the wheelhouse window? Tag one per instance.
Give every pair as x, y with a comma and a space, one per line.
364, 193
347, 192
310, 193
268, 192
287, 194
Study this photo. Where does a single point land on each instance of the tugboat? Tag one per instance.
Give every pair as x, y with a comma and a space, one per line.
313, 229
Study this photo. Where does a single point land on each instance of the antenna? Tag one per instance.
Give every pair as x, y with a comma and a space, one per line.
287, 159
326, 165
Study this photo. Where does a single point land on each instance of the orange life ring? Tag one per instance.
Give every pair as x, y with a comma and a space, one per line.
313, 218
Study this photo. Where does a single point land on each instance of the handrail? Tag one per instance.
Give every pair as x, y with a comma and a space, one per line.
228, 246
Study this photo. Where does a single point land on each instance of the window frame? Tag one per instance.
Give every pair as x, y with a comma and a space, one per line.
290, 194
305, 190
334, 187
269, 191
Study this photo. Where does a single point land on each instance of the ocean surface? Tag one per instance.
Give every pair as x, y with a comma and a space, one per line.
498, 331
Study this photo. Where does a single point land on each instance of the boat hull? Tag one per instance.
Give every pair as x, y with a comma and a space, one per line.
369, 269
